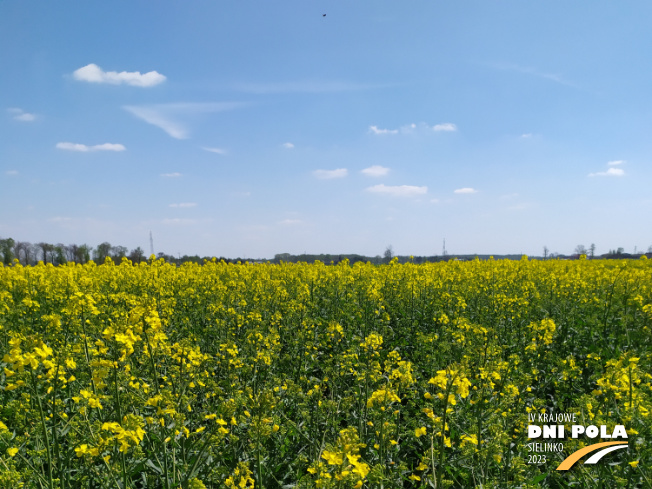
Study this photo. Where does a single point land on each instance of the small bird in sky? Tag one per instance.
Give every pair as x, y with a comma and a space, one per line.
323, 15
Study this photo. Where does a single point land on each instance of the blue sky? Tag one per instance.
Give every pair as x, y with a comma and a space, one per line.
245, 129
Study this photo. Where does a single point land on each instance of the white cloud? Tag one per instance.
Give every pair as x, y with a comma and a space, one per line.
328, 174
616, 162
12, 172
375, 130
611, 172
288, 145
165, 116
465, 190
94, 74
527, 135
446, 126
184, 205
290, 222
412, 127
434, 201
171, 175
375, 171
219, 151
398, 190
84, 148
21, 115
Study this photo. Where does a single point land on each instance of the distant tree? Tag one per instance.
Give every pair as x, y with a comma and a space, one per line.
83, 253
59, 254
592, 250
649, 249
137, 255
46, 251
7, 250
545, 252
389, 254
118, 252
580, 250
620, 251
101, 252
22, 251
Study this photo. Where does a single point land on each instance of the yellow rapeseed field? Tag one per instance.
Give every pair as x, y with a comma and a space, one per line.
314, 376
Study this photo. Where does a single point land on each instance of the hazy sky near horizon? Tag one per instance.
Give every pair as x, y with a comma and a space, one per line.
245, 129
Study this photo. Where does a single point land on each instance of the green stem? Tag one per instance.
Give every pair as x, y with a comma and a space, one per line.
45, 432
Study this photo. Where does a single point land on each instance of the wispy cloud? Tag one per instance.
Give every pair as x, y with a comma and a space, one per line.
526, 70
616, 163
171, 175
83, 148
527, 135
21, 115
413, 127
465, 190
446, 127
302, 86
329, 174
218, 151
184, 205
375, 130
290, 222
398, 190
375, 171
11, 173
611, 172
288, 145
94, 74
165, 116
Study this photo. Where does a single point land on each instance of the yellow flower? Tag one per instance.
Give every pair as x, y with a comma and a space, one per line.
420, 431
333, 458
12, 451
634, 463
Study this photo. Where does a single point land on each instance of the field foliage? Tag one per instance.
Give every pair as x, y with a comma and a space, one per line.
297, 375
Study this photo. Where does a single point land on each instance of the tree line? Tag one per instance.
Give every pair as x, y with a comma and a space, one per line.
58, 254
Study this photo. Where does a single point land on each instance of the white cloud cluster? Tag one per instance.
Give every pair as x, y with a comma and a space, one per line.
94, 74
465, 190
612, 171
398, 190
12, 173
375, 130
84, 148
21, 115
288, 145
171, 175
375, 171
184, 205
329, 174
410, 128
446, 127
